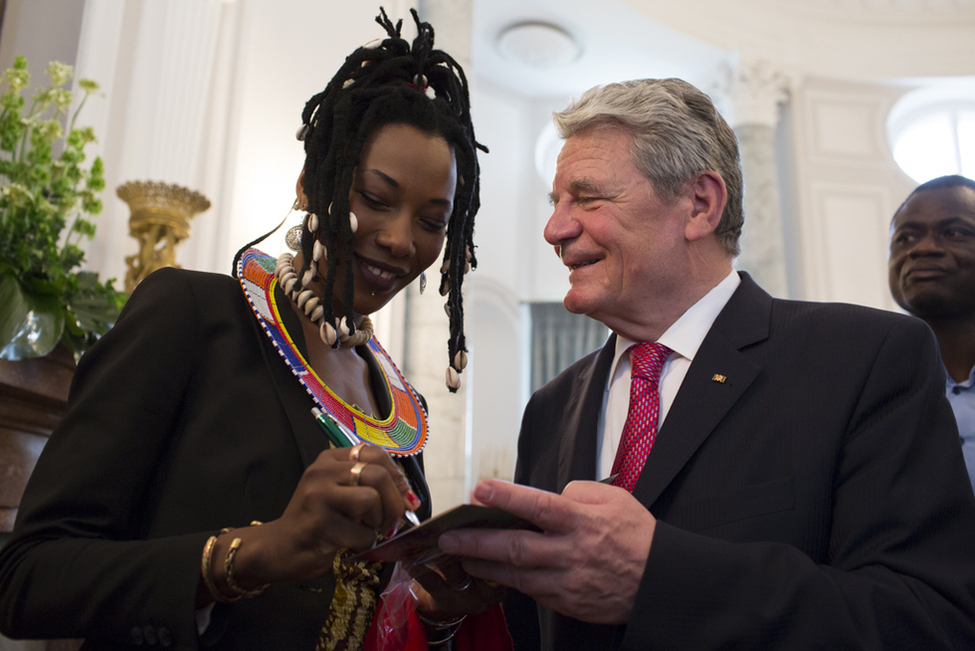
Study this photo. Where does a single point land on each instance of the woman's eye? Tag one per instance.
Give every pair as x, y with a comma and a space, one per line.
371, 201
433, 225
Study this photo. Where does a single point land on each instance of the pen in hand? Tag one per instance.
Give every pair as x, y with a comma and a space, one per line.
341, 437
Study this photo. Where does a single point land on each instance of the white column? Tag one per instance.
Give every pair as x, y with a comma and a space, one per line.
447, 455
755, 90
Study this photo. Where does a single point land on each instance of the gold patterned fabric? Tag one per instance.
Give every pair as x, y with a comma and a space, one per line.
353, 604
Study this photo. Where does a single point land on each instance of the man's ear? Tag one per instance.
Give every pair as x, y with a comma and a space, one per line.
708, 196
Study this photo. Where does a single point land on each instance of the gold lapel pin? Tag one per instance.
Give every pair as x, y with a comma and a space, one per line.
717, 377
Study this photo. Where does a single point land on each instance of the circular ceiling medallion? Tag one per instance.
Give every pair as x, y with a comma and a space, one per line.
538, 44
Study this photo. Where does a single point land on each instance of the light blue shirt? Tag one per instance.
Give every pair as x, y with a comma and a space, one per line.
961, 395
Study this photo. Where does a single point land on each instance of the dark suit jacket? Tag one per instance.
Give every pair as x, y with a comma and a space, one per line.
181, 420
817, 499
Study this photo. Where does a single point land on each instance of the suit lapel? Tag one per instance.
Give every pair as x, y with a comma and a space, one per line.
578, 453
703, 399
295, 401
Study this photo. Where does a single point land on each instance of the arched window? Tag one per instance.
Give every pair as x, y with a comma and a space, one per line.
932, 131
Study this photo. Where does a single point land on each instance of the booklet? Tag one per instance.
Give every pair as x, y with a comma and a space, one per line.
419, 544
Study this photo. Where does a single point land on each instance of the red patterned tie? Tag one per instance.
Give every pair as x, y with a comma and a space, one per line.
646, 360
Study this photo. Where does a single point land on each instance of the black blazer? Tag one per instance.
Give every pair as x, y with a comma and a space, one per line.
182, 419
816, 499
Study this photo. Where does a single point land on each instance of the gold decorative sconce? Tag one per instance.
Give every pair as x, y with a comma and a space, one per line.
160, 220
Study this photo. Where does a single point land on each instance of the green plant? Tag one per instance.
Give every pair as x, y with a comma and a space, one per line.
43, 186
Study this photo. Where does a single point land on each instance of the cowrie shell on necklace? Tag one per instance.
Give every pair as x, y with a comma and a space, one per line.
303, 298
311, 304
286, 260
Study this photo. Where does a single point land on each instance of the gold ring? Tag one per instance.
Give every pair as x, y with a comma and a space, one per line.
355, 450
355, 472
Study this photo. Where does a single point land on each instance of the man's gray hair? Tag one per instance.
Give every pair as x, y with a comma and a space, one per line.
676, 135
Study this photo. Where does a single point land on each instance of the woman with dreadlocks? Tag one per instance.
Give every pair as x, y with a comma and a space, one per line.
233, 442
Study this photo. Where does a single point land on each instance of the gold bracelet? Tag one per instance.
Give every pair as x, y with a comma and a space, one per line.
207, 575
228, 566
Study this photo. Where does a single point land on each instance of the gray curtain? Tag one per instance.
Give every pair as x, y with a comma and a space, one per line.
560, 338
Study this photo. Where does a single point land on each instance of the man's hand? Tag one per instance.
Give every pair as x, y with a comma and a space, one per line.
588, 562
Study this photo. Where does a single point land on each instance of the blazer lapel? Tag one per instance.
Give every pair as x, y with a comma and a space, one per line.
578, 454
716, 379
295, 401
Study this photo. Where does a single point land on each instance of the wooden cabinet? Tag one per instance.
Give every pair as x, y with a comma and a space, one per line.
33, 396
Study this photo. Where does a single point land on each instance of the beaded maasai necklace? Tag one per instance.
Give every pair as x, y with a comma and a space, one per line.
402, 433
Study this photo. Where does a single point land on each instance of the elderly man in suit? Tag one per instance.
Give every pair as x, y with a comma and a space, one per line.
787, 474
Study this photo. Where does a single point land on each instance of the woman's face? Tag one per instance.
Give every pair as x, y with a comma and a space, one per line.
403, 196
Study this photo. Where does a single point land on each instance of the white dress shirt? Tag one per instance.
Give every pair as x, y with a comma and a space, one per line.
683, 337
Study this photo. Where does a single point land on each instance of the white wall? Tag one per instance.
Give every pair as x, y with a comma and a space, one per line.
504, 232
24, 20
847, 186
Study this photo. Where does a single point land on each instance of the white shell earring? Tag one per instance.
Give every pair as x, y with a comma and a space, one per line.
423, 281
453, 378
328, 334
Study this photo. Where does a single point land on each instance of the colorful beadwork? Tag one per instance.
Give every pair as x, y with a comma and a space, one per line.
403, 433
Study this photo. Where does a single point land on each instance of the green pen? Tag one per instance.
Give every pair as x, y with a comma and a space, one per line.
342, 438
332, 428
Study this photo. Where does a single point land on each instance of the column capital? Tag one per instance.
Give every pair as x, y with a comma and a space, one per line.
752, 91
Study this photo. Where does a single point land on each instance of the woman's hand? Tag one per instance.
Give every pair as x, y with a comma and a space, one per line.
444, 591
345, 499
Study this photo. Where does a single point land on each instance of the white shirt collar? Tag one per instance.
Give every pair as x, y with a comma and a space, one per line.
686, 334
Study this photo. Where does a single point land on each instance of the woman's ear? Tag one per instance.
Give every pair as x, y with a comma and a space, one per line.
300, 191
709, 196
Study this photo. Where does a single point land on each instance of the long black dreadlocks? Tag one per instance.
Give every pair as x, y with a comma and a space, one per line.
390, 83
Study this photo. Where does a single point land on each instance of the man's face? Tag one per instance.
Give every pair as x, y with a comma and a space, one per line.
623, 245
932, 254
